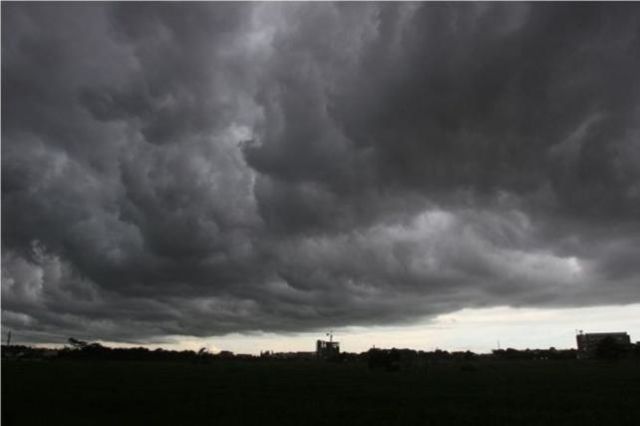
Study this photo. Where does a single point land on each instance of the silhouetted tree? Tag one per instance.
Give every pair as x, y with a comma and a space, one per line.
77, 344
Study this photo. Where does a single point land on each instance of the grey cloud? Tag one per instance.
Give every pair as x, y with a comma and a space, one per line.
209, 168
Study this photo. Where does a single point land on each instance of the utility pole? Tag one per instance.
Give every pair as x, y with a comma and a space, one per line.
9, 338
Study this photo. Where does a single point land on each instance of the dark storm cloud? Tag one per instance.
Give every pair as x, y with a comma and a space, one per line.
207, 168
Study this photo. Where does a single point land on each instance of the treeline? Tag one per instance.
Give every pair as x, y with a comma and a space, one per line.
386, 359
401, 359
535, 354
96, 351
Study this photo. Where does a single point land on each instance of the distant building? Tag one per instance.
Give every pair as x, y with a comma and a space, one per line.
588, 342
326, 349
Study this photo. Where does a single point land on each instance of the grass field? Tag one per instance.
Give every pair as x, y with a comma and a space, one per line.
308, 393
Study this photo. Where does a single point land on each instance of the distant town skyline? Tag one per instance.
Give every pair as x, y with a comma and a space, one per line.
249, 176
476, 330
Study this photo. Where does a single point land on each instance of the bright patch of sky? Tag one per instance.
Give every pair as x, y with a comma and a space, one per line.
477, 330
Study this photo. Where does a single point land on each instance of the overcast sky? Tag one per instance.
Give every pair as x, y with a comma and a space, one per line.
201, 170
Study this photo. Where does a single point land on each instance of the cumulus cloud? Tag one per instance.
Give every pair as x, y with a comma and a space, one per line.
211, 168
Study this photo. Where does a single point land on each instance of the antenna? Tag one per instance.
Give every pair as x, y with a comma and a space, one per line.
9, 338
330, 334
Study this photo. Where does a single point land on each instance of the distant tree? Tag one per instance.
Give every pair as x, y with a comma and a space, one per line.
77, 344
203, 355
225, 355
389, 359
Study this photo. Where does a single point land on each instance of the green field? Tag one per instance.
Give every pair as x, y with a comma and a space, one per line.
309, 393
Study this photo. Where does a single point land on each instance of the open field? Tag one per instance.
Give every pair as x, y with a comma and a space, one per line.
309, 393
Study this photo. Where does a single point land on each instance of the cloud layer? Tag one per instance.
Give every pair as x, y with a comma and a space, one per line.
210, 168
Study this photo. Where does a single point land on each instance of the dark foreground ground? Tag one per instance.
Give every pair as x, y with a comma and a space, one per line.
308, 393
